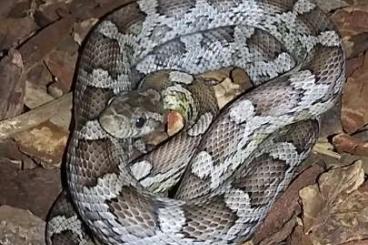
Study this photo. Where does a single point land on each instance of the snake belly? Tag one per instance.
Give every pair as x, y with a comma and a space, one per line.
246, 155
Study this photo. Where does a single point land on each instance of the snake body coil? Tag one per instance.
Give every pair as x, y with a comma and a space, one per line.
233, 165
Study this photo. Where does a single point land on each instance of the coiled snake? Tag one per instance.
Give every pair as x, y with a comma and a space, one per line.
233, 165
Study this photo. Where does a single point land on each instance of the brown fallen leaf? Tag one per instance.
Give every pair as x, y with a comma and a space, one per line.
356, 44
231, 83
349, 144
49, 11
41, 44
12, 85
282, 234
353, 64
351, 20
334, 210
39, 75
61, 63
15, 30
286, 205
330, 5
299, 237
6, 7
352, 23
354, 114
84, 9
45, 143
363, 242
32, 189
58, 109
9, 152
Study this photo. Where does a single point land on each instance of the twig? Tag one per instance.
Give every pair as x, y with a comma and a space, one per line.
323, 149
35, 117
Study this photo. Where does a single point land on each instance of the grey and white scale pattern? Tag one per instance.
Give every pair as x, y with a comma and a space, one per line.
243, 157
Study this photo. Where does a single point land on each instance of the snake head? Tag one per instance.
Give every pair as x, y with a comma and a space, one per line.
133, 115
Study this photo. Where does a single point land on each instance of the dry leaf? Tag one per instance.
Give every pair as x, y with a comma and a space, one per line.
353, 64
45, 143
354, 114
330, 5
41, 44
349, 144
323, 147
11, 85
357, 44
299, 237
286, 206
15, 30
335, 210
61, 63
351, 20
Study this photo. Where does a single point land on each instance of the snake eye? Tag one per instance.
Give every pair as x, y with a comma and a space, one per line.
140, 122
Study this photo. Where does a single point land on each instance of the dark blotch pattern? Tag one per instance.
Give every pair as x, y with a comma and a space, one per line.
137, 216
94, 102
268, 46
281, 5
223, 35
96, 158
211, 218
174, 8
126, 17
316, 20
66, 237
62, 205
302, 135
258, 180
264, 173
101, 52
326, 63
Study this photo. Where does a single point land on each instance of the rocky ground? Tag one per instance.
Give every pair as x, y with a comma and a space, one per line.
39, 45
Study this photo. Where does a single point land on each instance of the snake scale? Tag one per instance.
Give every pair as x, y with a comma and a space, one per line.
233, 163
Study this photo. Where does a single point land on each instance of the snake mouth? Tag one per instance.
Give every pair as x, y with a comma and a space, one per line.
174, 122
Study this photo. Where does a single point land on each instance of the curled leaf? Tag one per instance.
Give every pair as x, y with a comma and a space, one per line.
334, 210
